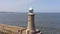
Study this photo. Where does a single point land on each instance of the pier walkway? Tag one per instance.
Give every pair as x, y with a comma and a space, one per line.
11, 29
8, 29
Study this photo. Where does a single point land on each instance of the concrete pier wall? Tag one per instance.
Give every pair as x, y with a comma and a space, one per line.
10, 29
13, 29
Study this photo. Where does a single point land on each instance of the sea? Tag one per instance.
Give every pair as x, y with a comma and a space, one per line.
47, 23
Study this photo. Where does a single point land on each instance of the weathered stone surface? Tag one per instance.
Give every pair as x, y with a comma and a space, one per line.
10, 29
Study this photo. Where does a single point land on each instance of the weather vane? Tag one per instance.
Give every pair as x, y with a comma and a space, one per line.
30, 5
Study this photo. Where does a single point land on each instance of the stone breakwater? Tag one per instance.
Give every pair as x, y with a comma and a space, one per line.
11, 29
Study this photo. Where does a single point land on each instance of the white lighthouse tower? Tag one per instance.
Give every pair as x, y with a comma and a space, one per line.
31, 25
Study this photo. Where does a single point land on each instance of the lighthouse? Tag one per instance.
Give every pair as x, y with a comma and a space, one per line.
31, 25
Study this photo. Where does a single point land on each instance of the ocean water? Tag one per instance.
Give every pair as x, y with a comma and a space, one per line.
48, 23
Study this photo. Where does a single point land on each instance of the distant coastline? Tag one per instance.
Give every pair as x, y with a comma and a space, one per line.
25, 12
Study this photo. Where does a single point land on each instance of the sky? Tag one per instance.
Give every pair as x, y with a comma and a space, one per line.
24, 5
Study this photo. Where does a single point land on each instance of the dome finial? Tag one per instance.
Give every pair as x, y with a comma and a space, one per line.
31, 10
